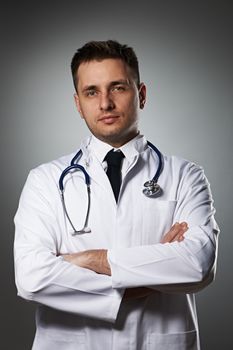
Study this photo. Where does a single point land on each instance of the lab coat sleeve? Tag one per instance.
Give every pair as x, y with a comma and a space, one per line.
43, 276
186, 266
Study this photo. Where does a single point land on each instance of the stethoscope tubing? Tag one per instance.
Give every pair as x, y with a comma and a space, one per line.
160, 157
151, 187
68, 170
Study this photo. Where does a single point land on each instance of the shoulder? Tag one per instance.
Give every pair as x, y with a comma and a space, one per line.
181, 165
176, 167
187, 174
48, 174
184, 172
55, 165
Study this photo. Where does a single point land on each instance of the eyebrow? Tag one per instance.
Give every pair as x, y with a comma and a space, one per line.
120, 82
113, 83
89, 87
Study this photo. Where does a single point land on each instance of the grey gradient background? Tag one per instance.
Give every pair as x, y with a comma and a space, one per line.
186, 55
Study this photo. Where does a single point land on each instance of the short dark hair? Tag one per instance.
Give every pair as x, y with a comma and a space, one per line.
99, 50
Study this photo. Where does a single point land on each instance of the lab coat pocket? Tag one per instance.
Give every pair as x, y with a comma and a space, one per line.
157, 219
47, 339
173, 341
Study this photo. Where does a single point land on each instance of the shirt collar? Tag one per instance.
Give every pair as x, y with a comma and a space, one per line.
131, 149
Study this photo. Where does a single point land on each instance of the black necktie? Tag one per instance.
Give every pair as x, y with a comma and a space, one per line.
114, 160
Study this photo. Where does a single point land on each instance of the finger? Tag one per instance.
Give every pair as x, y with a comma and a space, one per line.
180, 231
181, 238
178, 227
178, 238
184, 225
176, 230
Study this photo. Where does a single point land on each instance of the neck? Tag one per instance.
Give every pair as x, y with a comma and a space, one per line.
118, 142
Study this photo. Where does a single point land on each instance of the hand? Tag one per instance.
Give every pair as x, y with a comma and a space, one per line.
176, 233
95, 260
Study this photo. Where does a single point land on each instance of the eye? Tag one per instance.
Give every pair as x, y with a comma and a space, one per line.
119, 88
91, 93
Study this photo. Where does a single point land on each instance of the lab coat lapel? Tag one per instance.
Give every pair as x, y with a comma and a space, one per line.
93, 166
99, 176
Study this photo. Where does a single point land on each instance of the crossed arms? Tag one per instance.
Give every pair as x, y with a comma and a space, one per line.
96, 259
76, 282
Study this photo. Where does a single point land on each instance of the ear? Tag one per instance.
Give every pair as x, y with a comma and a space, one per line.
77, 103
142, 95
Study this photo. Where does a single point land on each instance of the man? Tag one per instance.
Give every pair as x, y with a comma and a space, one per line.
127, 279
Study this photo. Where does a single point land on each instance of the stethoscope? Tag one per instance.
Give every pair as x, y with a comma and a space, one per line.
151, 187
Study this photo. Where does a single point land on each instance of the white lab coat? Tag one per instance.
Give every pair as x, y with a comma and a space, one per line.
80, 309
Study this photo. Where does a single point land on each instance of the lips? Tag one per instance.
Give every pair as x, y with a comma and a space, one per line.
109, 119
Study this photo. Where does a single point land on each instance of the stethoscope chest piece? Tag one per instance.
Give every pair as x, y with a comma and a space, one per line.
151, 188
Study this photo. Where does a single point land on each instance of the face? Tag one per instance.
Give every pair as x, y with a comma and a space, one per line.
109, 100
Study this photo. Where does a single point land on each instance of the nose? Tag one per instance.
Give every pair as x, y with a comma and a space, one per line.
106, 102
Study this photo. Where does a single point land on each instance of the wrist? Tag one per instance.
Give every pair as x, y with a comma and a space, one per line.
96, 260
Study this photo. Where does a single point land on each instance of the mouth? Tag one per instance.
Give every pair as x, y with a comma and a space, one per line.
109, 119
